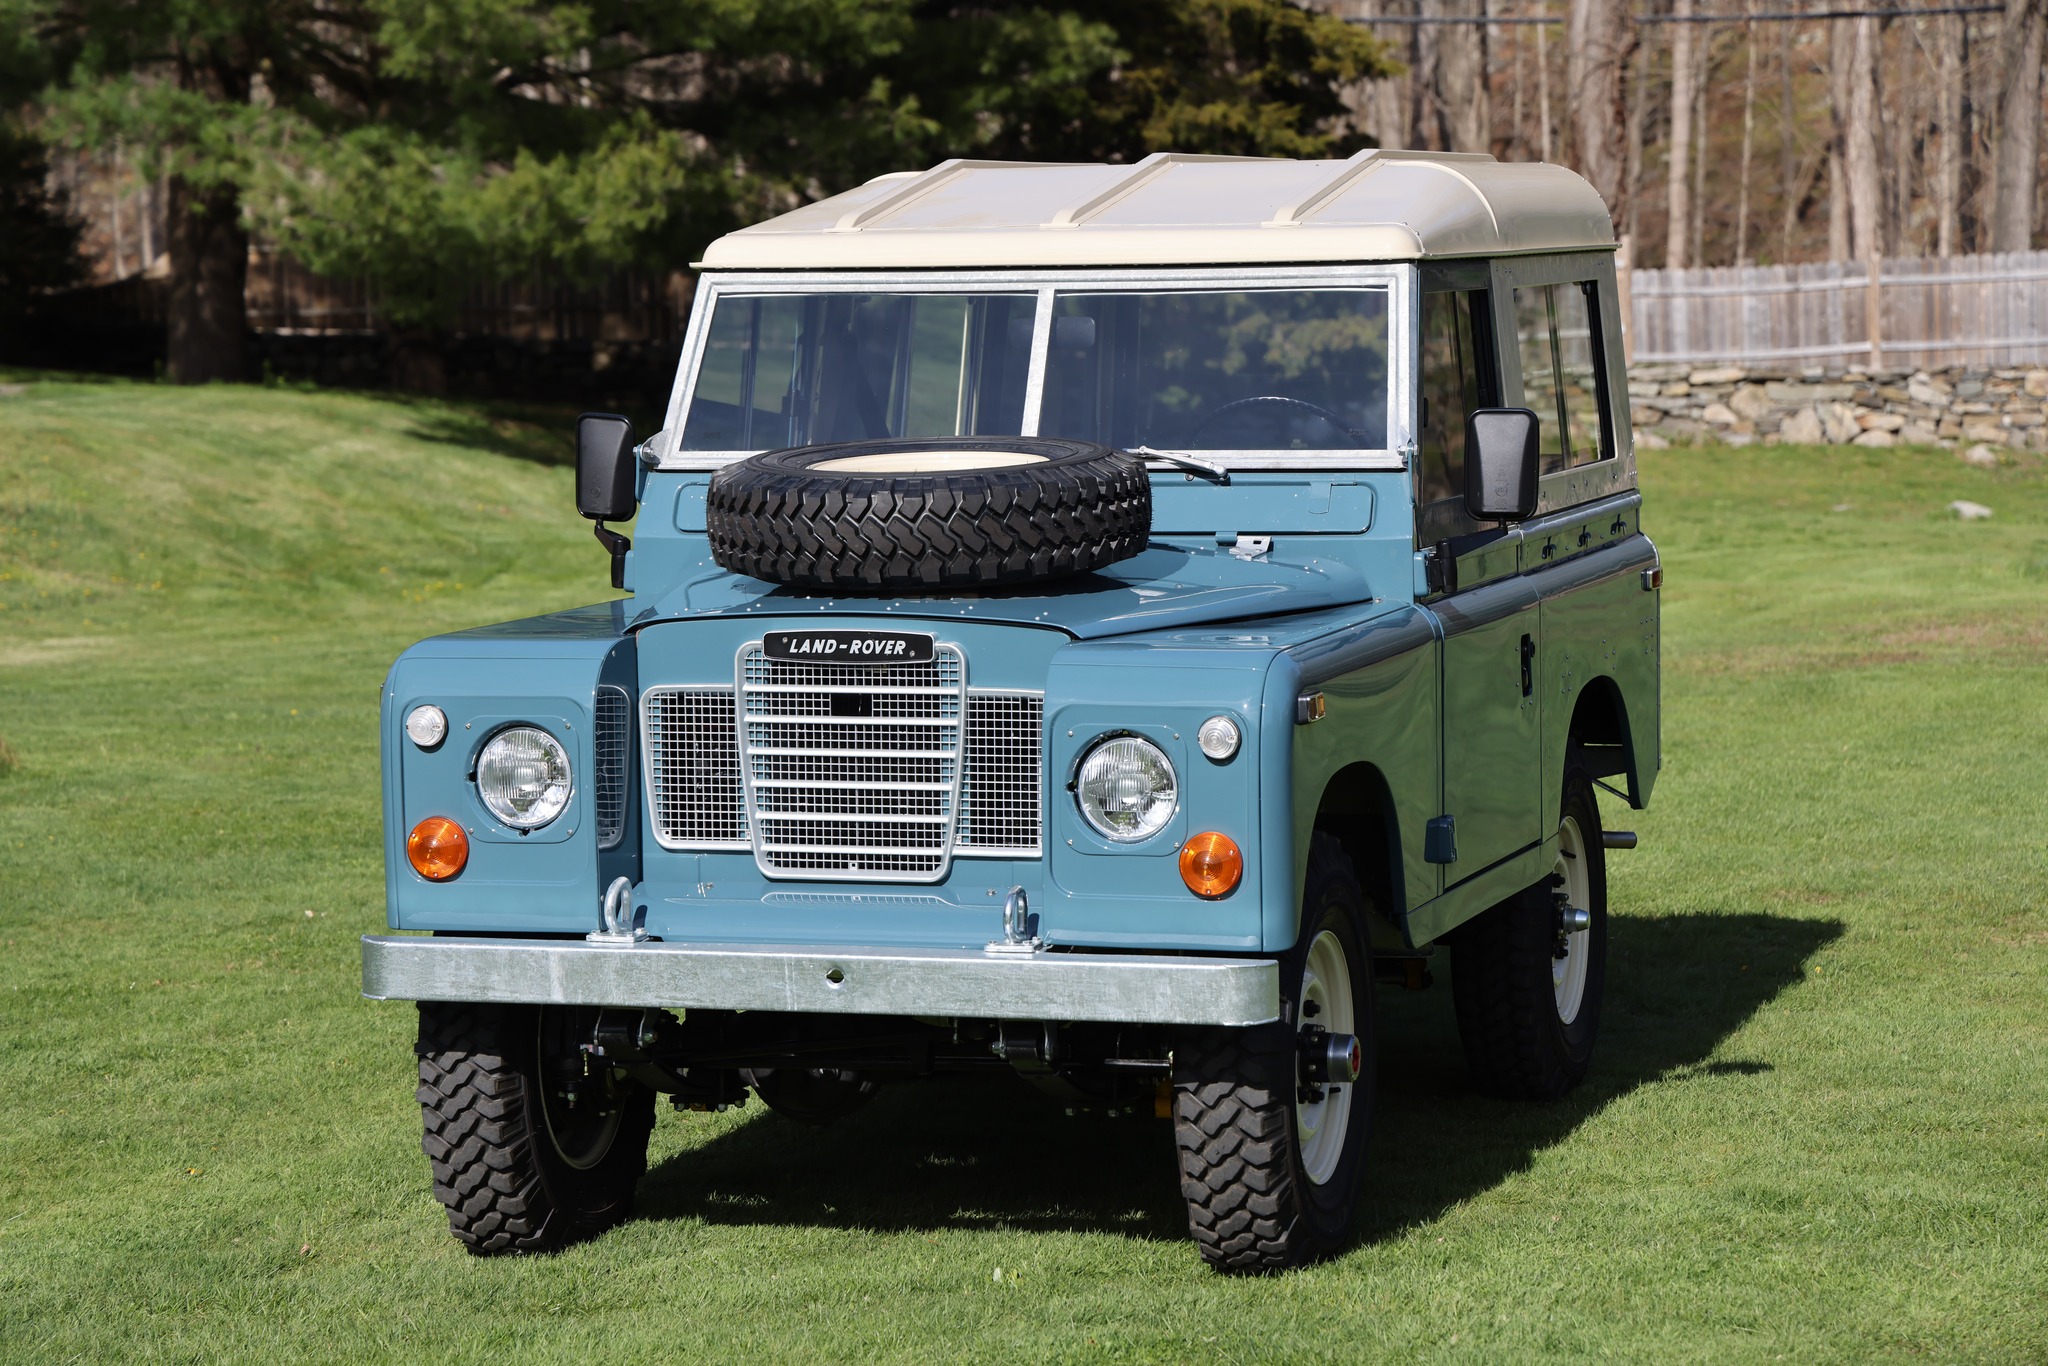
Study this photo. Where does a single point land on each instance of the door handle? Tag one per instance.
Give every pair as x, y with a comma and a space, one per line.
1528, 671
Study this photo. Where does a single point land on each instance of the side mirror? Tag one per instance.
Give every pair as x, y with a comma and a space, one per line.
604, 481
1500, 464
604, 467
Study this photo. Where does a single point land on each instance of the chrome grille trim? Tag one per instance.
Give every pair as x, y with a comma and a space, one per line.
613, 740
904, 755
692, 766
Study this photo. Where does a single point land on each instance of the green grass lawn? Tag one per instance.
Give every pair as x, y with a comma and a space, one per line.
1816, 1128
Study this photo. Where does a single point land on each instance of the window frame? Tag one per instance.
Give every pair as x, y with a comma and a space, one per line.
1398, 280
1446, 518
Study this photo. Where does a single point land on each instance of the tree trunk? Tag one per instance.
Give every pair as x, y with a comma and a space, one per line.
1461, 84
209, 269
1597, 41
1841, 54
1638, 98
1701, 81
1748, 146
1948, 169
1543, 84
2019, 126
1678, 181
1788, 157
1860, 151
1425, 80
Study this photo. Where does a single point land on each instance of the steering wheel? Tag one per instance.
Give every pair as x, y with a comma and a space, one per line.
1313, 409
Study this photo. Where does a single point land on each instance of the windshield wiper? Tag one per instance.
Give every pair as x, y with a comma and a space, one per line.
1214, 473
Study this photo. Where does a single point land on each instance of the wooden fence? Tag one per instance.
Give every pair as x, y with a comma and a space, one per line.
627, 306
1925, 313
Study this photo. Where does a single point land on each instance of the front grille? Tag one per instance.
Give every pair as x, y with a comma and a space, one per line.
693, 768
1000, 799
613, 742
851, 772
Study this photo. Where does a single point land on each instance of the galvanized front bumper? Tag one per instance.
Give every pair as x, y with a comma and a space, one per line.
1125, 988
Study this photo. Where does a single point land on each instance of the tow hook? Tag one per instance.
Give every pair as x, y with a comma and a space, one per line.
1329, 1059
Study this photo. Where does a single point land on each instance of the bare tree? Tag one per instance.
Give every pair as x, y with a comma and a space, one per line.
2019, 125
1860, 145
1948, 171
1841, 55
1678, 184
1597, 42
1748, 143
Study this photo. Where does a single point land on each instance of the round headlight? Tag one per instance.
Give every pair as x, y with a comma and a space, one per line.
427, 725
1126, 789
1218, 738
523, 777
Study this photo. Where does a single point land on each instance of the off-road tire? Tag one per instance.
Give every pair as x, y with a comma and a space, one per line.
776, 516
1516, 1046
1251, 1206
495, 1164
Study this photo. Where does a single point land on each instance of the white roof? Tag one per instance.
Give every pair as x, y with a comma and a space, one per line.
1176, 209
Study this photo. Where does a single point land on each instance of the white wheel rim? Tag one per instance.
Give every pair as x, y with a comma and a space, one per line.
1568, 974
1322, 1116
929, 462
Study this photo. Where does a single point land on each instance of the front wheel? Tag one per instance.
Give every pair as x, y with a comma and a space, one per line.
1271, 1121
1527, 980
534, 1144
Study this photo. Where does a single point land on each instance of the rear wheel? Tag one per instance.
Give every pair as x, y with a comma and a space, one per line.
1528, 984
533, 1144
1272, 1145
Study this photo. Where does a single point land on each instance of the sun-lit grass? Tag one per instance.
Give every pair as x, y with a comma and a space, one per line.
1816, 1126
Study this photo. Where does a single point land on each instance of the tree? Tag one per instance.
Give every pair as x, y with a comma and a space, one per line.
2019, 125
427, 144
1598, 40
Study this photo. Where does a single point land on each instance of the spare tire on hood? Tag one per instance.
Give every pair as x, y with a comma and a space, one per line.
939, 512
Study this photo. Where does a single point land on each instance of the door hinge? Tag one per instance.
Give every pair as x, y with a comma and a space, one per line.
1440, 568
1440, 840
1528, 660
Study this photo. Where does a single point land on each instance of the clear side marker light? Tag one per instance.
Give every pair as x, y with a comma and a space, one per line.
427, 726
1218, 738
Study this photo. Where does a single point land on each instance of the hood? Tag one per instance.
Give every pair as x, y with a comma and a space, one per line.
1165, 586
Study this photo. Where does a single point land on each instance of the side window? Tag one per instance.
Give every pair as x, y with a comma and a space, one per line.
1456, 365
1579, 378
1562, 379
1536, 336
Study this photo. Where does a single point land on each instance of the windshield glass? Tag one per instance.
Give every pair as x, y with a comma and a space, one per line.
793, 370
1252, 370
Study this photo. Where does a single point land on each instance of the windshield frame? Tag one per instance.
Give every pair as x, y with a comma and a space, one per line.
1400, 281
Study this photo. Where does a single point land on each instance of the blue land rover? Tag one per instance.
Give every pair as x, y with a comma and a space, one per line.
1092, 620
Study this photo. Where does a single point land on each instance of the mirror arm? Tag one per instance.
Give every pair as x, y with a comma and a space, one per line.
618, 546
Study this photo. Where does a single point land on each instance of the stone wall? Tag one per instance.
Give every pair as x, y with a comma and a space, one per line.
1983, 414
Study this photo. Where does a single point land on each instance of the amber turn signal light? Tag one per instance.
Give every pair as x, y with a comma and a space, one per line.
437, 848
1211, 865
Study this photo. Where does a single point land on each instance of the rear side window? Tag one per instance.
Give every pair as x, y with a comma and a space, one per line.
1457, 376
1562, 378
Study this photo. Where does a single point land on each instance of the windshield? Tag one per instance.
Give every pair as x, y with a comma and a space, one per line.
1256, 371
1263, 370
795, 370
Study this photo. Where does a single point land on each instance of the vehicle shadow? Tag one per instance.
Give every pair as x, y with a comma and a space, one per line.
992, 1152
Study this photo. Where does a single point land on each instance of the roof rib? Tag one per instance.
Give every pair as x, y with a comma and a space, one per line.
1142, 174
917, 188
